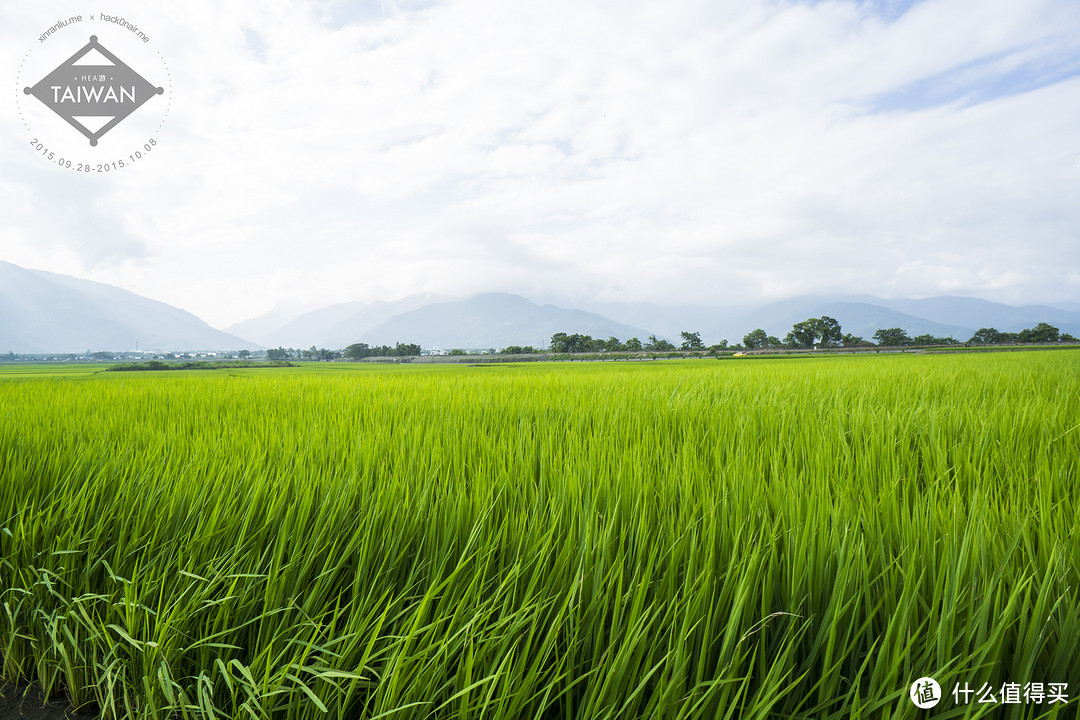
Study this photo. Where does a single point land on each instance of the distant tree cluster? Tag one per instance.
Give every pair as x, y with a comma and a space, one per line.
1041, 333
312, 353
359, 351
578, 343
657, 344
826, 332
759, 339
849, 341
691, 341
898, 337
823, 331
820, 332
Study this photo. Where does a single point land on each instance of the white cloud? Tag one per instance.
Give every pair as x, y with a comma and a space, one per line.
693, 152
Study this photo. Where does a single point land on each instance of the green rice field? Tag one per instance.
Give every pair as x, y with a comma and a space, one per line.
738, 538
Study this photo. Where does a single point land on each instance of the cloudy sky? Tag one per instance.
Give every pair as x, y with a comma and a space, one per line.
713, 151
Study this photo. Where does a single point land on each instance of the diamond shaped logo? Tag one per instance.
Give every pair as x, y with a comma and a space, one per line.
93, 90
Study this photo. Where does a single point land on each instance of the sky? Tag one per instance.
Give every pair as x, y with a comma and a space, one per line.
673, 152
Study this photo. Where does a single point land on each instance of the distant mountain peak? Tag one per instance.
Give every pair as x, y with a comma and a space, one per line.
44, 312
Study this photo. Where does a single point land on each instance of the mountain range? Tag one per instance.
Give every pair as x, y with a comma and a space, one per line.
334, 326
46, 312
43, 312
499, 319
490, 320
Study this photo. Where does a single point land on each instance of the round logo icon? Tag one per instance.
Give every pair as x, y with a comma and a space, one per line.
93, 92
925, 693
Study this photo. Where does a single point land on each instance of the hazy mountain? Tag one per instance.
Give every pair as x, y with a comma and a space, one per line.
45, 312
255, 328
857, 318
493, 320
668, 321
975, 313
300, 331
337, 326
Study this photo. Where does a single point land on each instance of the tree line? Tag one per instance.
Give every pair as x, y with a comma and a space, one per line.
826, 332
356, 351
821, 332
359, 351
312, 353
578, 343
1041, 333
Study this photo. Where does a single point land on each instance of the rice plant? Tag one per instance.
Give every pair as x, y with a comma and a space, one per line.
695, 539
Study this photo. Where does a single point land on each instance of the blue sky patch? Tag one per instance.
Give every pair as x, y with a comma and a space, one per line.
983, 80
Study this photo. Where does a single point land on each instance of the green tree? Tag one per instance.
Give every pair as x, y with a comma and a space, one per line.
759, 339
928, 339
612, 344
244, 354
755, 339
633, 344
357, 351
849, 340
828, 331
559, 343
585, 343
576, 343
891, 337
691, 341
655, 343
824, 331
1041, 333
278, 353
801, 335
987, 336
